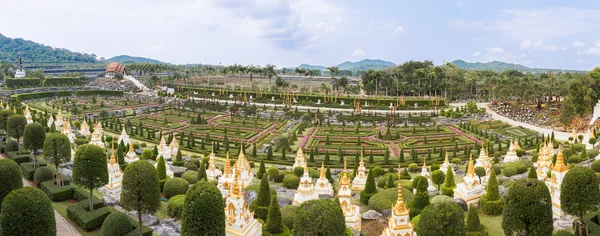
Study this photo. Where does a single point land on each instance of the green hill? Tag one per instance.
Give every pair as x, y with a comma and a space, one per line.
127, 58
11, 49
499, 66
363, 65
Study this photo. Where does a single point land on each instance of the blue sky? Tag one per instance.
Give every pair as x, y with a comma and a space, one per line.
541, 34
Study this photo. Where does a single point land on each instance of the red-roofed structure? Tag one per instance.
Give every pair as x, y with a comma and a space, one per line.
115, 68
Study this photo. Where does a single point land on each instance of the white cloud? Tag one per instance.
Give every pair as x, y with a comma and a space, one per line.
398, 31
523, 55
476, 54
462, 25
494, 50
594, 50
578, 43
525, 45
358, 53
565, 48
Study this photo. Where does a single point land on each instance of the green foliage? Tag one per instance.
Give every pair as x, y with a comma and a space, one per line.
27, 211
260, 206
287, 215
43, 174
161, 168
202, 172
84, 217
116, 93
390, 182
596, 166
532, 173
89, 167
438, 177
140, 189
299, 171
175, 206
509, 171
474, 226
15, 48
291, 181
491, 202
441, 217
381, 183
11, 177
175, 186
319, 217
57, 147
449, 183
57, 193
146, 154
16, 126
116, 224
190, 176
274, 223
405, 174
579, 191
528, 209
386, 198
370, 188
261, 170
203, 211
34, 136
421, 200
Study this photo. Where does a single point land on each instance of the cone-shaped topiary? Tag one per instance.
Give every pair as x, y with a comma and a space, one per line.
474, 227
274, 224
449, 184
390, 182
532, 173
117, 223
421, 199
370, 188
161, 168
405, 174
261, 170
260, 206
491, 202
202, 172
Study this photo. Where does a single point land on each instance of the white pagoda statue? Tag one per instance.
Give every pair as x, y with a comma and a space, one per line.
351, 212
131, 156
469, 189
544, 161
359, 181
243, 166
425, 173
511, 155
484, 161
163, 149
50, 121
20, 71
300, 160
174, 146
115, 175
322, 186
226, 179
97, 135
445, 165
66, 130
306, 189
84, 129
399, 221
554, 183
59, 119
27, 115
212, 172
123, 137
238, 218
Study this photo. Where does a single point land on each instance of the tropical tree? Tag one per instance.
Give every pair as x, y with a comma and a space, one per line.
90, 169
58, 148
15, 127
33, 139
141, 190
528, 209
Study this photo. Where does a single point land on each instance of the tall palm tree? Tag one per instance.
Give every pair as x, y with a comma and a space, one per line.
333, 71
269, 71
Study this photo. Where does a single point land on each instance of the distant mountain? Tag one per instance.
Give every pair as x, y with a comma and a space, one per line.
365, 64
11, 49
499, 66
127, 58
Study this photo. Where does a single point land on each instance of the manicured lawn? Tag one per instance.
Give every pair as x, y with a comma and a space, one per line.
61, 208
493, 223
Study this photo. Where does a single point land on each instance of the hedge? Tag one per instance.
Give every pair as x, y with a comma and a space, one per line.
175, 206
116, 224
20, 159
30, 96
99, 93
190, 176
175, 186
385, 199
42, 174
291, 181
86, 219
27, 211
57, 193
11, 177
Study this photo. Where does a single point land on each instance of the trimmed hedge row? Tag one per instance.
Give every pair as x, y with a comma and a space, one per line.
57, 193
30, 96
99, 93
49, 82
88, 220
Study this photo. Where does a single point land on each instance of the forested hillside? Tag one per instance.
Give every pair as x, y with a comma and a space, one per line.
11, 49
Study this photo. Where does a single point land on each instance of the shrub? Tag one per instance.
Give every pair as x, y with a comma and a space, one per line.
27, 169
57, 193
491, 202
175, 206
42, 174
27, 211
279, 178
509, 171
596, 166
191, 166
383, 179
86, 219
116, 224
592, 153
291, 181
440, 198
12, 146
287, 215
370, 188
319, 217
474, 226
299, 171
175, 186
11, 177
451, 214
378, 171
203, 211
190, 176
412, 167
562, 233
385, 199
573, 159
497, 169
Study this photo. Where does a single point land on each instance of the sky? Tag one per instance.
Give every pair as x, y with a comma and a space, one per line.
535, 33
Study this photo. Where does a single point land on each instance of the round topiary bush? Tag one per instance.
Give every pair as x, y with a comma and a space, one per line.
12, 146
497, 169
509, 171
287, 215
596, 166
190, 166
384, 178
299, 171
562, 233
384, 199
175, 186
291, 181
27, 211
279, 178
116, 224
412, 167
378, 171
11, 177
42, 174
573, 159
190, 176
175, 206
440, 198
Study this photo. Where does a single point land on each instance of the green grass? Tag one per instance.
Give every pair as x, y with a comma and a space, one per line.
61, 208
162, 211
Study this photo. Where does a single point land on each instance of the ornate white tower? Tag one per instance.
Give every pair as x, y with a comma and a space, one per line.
226, 179
163, 149
511, 155
97, 135
425, 173
174, 146
85, 128
554, 183
123, 137
212, 172
115, 175
238, 218
544, 161
243, 166
323, 186
469, 189
300, 161
399, 221
359, 181
351, 212
445, 165
27, 115
131, 156
306, 189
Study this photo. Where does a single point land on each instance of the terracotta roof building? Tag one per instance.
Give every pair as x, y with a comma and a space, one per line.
114, 68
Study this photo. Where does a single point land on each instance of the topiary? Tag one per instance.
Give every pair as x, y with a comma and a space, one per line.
12, 146
440, 198
509, 171
319, 217
562, 233
116, 224
299, 171
42, 174
274, 224
596, 166
279, 177
291, 181
378, 171
175, 186
260, 206
11, 177
203, 210
474, 226
370, 188
574, 159
190, 176
449, 184
491, 202
175, 206
386, 198
497, 169
27, 211
287, 215
383, 179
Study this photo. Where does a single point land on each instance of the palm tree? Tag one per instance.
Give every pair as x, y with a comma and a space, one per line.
269, 71
343, 83
310, 73
333, 71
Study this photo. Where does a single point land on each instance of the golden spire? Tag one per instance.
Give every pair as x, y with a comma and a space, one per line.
400, 207
424, 163
345, 165
446, 159
322, 176
345, 180
131, 146
300, 152
560, 162
212, 153
471, 170
113, 160
236, 189
362, 160
227, 168
241, 156
306, 170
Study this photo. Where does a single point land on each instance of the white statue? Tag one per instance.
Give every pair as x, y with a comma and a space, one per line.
391, 105
295, 100
342, 103
250, 97
319, 102
416, 105
272, 98
230, 95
